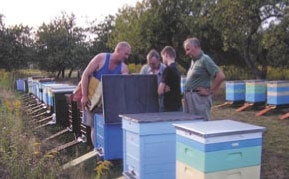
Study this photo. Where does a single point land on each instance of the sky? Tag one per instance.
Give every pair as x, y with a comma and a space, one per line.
35, 12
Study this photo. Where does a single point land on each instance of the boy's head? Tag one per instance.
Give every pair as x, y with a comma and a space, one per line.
168, 54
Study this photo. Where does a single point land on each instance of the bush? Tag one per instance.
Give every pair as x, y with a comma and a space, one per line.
238, 73
277, 74
134, 68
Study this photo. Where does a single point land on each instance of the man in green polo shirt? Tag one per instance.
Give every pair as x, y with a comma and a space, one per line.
203, 80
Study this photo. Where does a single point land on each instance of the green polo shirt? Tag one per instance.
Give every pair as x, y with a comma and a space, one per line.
201, 72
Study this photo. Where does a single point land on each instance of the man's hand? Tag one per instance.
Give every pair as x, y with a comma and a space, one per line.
84, 101
204, 91
167, 89
163, 88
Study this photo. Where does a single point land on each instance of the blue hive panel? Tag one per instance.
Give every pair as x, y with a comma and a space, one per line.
108, 138
235, 91
278, 93
221, 145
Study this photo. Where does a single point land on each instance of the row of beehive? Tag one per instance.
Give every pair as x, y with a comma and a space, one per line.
60, 107
107, 129
47, 92
255, 91
150, 148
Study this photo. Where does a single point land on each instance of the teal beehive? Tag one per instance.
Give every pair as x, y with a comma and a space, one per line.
256, 91
215, 149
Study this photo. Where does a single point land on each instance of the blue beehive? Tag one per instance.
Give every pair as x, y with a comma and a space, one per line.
130, 97
52, 90
30, 84
25, 81
41, 85
45, 91
255, 91
34, 86
38, 86
21, 85
108, 138
149, 144
218, 150
278, 93
59, 104
18, 83
183, 83
235, 91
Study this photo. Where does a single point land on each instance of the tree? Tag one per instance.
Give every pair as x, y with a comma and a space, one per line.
241, 23
61, 45
127, 28
276, 41
101, 31
16, 46
157, 23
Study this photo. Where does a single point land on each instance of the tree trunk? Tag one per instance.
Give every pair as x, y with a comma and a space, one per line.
78, 75
264, 71
63, 72
58, 74
70, 73
248, 59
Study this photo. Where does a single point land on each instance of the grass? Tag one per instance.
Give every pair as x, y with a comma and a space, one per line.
22, 155
19, 158
17, 152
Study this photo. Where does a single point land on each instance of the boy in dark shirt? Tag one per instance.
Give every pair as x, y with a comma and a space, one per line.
170, 84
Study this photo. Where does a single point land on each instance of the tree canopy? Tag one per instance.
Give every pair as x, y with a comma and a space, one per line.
250, 34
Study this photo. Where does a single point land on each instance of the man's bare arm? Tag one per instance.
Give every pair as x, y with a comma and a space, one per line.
161, 88
124, 69
220, 77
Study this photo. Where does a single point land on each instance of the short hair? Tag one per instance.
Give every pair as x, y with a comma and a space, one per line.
122, 45
193, 41
170, 51
153, 53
